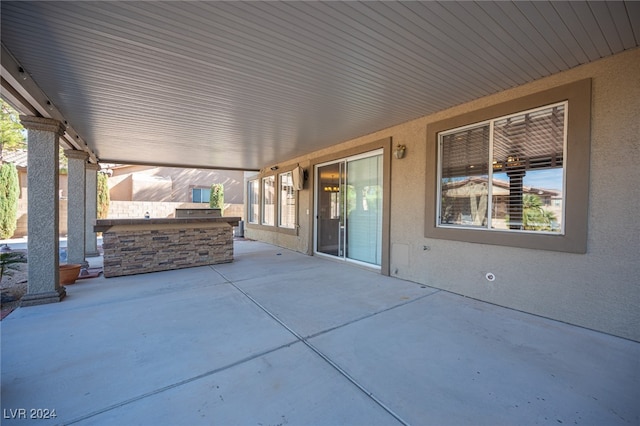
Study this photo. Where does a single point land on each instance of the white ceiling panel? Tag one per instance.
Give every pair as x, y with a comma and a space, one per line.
244, 85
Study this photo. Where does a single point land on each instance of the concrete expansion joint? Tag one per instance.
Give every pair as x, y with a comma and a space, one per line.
318, 352
178, 384
353, 321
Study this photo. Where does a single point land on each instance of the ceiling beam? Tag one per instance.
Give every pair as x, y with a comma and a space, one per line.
22, 92
107, 161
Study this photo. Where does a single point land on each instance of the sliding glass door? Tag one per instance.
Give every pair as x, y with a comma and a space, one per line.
330, 207
349, 208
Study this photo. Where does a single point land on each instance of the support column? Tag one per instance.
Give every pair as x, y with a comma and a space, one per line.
77, 207
43, 230
516, 179
91, 242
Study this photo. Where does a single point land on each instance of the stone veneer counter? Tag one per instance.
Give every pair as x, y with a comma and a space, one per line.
136, 246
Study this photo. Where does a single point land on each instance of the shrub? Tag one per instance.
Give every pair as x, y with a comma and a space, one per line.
216, 200
9, 193
103, 196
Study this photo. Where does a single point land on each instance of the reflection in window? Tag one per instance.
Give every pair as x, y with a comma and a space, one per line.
464, 176
253, 197
507, 172
268, 200
287, 212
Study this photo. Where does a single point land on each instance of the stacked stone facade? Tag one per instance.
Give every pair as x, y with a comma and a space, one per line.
152, 250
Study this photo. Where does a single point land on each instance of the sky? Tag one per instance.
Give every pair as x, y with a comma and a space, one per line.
545, 179
541, 179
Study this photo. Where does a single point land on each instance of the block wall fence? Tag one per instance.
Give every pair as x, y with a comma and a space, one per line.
123, 210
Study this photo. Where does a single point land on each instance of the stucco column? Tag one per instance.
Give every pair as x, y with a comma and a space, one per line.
91, 242
42, 188
77, 207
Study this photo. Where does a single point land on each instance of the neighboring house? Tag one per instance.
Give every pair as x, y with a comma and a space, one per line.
463, 200
136, 190
19, 158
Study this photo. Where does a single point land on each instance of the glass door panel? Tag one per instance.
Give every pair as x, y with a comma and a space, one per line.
330, 207
349, 208
364, 210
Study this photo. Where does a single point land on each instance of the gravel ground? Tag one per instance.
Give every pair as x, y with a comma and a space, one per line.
13, 287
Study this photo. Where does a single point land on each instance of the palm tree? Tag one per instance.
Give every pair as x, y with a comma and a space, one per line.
534, 217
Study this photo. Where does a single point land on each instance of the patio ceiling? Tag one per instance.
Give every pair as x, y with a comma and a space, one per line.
244, 85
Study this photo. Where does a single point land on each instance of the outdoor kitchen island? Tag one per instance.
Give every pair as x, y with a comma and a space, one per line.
136, 246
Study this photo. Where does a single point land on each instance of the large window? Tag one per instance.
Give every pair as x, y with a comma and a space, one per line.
287, 210
253, 201
272, 201
505, 174
200, 195
268, 200
513, 174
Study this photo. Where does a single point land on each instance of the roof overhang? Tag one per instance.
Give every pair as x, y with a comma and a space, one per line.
246, 85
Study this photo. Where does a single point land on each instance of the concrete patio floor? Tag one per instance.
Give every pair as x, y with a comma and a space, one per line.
280, 338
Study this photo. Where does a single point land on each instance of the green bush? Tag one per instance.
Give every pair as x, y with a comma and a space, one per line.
9, 193
216, 200
103, 196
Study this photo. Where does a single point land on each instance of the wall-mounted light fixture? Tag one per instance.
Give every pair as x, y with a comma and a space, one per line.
22, 73
399, 151
274, 168
50, 105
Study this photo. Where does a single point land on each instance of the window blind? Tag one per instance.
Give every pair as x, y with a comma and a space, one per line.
464, 176
507, 172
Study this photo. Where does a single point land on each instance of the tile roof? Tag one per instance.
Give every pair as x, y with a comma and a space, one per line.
18, 157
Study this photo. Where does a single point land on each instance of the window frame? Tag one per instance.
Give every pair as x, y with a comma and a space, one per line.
490, 124
576, 196
263, 201
295, 198
260, 225
200, 188
250, 212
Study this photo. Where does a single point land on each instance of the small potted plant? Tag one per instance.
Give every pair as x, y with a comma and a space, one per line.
69, 272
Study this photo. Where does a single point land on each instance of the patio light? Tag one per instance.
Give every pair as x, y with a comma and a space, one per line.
400, 151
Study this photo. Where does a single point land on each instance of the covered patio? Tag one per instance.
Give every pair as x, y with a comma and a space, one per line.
278, 337
269, 88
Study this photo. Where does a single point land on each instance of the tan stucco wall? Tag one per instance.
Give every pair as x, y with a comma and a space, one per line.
598, 290
120, 187
299, 239
22, 216
146, 183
